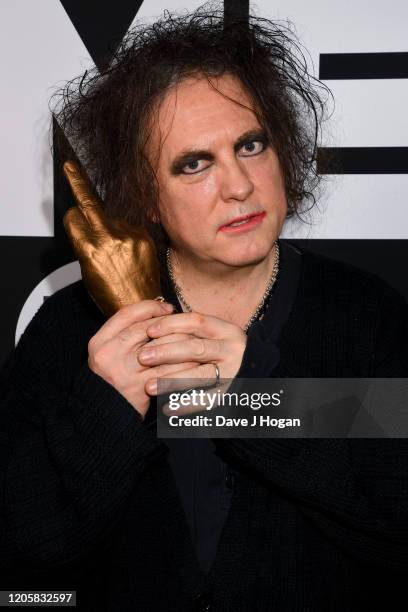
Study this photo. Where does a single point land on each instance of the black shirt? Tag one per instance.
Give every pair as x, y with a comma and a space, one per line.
88, 500
204, 481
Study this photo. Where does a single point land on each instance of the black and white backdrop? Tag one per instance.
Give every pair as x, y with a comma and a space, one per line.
359, 49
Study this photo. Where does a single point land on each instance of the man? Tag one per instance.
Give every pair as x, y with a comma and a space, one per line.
200, 134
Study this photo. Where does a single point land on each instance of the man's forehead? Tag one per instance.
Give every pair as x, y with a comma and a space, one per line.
201, 110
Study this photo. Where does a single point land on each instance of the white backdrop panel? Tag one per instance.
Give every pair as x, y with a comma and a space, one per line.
41, 49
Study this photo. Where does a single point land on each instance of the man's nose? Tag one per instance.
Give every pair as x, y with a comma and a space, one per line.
236, 183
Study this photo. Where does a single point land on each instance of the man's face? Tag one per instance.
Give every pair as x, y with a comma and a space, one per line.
216, 167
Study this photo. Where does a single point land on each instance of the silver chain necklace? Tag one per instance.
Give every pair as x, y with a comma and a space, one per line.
261, 304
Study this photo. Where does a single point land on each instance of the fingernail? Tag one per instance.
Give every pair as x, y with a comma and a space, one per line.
152, 386
167, 307
147, 354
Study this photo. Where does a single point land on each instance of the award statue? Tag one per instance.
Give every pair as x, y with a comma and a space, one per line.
118, 261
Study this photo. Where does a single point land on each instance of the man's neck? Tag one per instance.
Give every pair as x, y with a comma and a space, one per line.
228, 292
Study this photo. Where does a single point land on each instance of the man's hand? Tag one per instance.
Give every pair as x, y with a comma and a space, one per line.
118, 261
211, 340
113, 351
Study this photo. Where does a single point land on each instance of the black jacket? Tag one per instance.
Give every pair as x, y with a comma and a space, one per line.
89, 502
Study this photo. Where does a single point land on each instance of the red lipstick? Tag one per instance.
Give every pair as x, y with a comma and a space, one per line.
244, 223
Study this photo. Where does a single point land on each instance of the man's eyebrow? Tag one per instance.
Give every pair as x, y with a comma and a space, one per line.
191, 155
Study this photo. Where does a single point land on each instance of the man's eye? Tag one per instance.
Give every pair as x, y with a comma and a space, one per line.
195, 166
252, 148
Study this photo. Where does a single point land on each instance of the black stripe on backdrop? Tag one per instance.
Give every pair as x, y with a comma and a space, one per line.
384, 258
235, 10
101, 25
363, 66
363, 160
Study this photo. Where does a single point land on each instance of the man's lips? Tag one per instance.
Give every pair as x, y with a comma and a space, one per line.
243, 223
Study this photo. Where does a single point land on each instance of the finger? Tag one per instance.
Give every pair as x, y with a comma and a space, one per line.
135, 337
200, 350
160, 372
203, 326
132, 313
180, 379
169, 339
86, 200
148, 342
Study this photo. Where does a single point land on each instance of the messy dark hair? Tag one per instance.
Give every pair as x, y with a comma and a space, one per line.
107, 114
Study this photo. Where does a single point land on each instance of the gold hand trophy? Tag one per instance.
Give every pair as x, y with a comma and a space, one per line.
119, 264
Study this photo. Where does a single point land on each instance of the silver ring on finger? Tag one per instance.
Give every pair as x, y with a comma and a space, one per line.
217, 375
